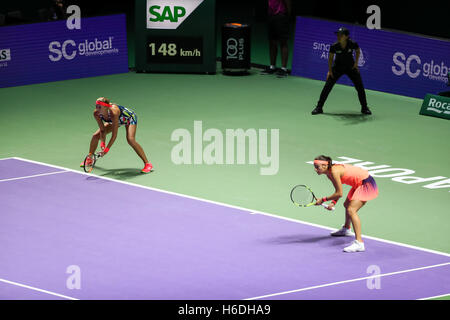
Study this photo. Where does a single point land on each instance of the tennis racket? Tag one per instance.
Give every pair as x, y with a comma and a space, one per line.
89, 162
302, 196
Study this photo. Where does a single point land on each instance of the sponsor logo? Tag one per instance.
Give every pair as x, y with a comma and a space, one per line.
69, 49
323, 49
235, 49
414, 67
5, 55
363, 57
169, 14
438, 106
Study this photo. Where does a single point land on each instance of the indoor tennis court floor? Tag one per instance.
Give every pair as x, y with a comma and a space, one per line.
129, 241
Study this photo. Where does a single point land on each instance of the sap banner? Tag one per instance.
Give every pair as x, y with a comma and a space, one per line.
50, 51
393, 62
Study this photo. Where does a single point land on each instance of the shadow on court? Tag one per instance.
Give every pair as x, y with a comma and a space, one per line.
350, 118
298, 238
121, 174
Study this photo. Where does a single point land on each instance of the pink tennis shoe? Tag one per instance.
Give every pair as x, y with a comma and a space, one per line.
148, 168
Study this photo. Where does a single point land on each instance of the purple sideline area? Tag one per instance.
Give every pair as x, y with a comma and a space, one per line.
12, 168
136, 243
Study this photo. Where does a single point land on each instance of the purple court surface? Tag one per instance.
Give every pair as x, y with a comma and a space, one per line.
132, 242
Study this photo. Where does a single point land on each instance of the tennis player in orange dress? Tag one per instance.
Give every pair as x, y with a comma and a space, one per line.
364, 188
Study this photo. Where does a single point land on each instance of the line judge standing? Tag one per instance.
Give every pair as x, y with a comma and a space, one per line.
343, 64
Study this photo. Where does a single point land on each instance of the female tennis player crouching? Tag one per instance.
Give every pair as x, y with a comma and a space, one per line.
109, 117
363, 189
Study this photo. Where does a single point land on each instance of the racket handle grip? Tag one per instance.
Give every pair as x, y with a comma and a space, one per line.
326, 206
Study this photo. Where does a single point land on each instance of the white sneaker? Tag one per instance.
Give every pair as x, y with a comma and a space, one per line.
342, 232
356, 246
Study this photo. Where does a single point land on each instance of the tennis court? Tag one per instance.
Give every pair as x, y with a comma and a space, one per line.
143, 243
221, 231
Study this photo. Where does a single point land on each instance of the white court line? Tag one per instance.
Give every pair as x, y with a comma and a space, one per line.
435, 297
33, 176
37, 289
250, 211
347, 281
7, 158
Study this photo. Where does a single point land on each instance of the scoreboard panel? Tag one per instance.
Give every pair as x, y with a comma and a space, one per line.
175, 36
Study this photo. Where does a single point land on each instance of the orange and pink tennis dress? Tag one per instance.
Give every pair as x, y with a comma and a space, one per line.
363, 185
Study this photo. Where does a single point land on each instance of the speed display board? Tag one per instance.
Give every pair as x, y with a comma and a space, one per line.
175, 36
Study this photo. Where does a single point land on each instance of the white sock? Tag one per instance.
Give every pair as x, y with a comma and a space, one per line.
272, 66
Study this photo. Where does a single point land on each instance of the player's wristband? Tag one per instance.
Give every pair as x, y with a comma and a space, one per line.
105, 151
324, 199
102, 145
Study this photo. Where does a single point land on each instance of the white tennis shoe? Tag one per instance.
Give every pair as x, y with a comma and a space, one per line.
356, 246
342, 232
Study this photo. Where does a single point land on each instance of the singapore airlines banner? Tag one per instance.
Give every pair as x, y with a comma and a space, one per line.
393, 62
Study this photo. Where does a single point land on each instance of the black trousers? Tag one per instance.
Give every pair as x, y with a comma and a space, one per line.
278, 27
354, 76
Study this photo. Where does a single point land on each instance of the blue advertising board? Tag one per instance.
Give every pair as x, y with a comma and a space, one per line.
50, 51
393, 62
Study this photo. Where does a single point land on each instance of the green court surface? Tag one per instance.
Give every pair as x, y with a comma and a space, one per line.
53, 123
442, 298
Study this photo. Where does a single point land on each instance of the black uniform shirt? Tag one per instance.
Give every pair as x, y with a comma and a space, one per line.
344, 56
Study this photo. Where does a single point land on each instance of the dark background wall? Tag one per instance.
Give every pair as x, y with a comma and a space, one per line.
424, 17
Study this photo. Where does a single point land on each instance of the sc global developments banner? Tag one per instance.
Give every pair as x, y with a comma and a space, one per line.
50, 51
393, 62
